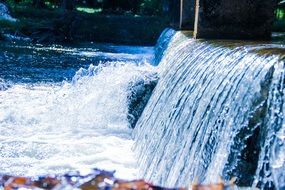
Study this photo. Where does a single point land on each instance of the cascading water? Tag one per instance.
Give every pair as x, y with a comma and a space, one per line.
51, 127
216, 111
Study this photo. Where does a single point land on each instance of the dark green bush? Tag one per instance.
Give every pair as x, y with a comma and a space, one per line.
150, 7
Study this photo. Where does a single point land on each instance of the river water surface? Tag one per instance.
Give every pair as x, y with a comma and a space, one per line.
65, 108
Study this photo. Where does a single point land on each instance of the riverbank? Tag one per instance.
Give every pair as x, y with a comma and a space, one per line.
75, 26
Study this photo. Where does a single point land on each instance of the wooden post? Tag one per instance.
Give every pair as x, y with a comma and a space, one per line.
186, 11
181, 14
196, 19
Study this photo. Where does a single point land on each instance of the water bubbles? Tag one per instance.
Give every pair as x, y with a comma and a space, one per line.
49, 128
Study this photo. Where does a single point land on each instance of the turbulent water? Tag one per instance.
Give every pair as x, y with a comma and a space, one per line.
56, 117
217, 111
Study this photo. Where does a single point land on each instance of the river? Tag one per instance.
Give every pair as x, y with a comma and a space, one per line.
65, 108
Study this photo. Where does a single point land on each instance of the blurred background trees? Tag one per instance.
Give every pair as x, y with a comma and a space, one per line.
112, 21
279, 24
135, 7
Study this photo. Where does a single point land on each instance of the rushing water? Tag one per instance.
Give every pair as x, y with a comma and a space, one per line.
66, 108
217, 111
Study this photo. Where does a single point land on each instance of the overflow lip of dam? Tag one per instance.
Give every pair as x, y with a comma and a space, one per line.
226, 19
231, 78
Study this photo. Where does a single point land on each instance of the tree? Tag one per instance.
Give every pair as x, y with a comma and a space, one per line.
38, 3
68, 4
91, 3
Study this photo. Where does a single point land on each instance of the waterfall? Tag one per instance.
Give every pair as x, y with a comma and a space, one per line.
217, 111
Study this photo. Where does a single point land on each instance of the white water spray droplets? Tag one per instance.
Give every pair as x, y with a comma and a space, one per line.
278, 149
46, 129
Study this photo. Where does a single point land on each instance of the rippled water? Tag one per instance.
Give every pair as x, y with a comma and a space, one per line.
30, 63
56, 117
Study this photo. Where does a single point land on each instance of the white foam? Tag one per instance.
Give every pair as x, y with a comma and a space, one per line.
50, 129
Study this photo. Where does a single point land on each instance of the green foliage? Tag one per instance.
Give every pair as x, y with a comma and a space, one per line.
51, 24
8, 25
123, 7
51, 5
279, 23
10, 3
279, 26
150, 7
89, 10
280, 13
26, 2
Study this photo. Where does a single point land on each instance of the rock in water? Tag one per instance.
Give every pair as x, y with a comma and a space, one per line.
139, 94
